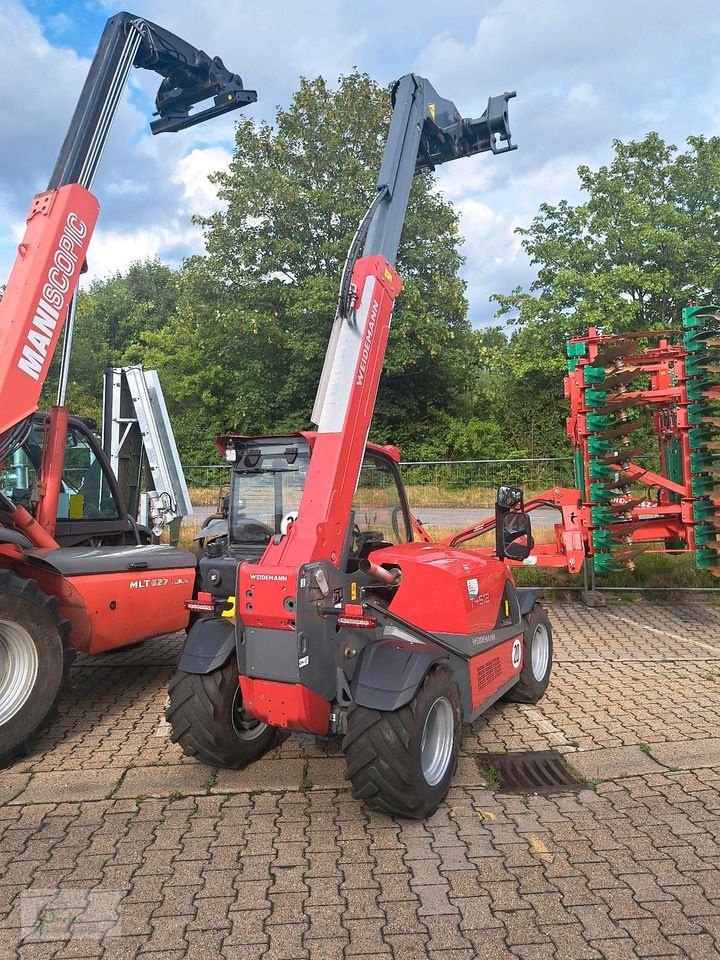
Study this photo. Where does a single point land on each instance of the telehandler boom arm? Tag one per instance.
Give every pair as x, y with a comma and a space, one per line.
425, 130
60, 223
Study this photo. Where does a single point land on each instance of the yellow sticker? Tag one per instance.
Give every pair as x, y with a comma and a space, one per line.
76, 506
388, 275
353, 591
230, 612
507, 608
431, 111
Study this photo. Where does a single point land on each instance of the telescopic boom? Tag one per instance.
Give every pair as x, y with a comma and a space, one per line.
51, 256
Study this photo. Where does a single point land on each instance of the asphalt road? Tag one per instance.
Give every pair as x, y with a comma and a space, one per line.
448, 518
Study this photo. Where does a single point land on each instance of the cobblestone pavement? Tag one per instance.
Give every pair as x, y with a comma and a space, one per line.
114, 845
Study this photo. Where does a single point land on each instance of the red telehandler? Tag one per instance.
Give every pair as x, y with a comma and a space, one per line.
76, 571
344, 617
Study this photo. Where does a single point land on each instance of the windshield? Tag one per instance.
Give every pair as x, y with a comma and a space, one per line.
266, 487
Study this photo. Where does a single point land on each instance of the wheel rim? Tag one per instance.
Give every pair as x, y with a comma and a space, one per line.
540, 651
437, 741
18, 668
245, 725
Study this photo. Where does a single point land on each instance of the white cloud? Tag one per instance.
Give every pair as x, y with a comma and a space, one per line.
113, 251
583, 93
192, 172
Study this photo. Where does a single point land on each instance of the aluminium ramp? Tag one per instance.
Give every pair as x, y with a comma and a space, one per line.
137, 432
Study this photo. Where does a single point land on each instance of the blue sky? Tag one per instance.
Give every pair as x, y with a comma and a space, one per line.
586, 71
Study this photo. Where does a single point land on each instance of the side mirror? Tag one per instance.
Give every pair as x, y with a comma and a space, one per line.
509, 498
513, 533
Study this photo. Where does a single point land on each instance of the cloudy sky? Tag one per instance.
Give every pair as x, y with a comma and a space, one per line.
586, 71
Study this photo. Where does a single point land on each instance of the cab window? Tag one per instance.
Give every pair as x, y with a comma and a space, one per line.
377, 502
85, 492
18, 479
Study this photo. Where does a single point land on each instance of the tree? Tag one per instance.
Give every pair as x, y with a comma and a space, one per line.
247, 343
644, 242
112, 316
630, 257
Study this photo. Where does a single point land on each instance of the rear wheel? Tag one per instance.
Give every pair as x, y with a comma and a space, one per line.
34, 662
209, 722
537, 658
402, 762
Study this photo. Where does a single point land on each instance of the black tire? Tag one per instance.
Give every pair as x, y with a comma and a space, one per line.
207, 720
384, 751
536, 630
32, 634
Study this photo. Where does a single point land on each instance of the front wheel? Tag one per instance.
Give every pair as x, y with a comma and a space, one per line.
34, 662
402, 762
537, 658
209, 722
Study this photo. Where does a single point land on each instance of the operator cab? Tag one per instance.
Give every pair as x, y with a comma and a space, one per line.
268, 479
91, 511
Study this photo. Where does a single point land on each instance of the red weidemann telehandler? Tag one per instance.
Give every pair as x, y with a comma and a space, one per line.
327, 608
76, 571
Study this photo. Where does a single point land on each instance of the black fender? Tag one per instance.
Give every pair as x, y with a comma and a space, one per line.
390, 672
527, 598
210, 644
12, 536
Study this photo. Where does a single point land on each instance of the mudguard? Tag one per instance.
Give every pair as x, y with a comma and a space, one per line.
209, 646
390, 672
527, 598
12, 536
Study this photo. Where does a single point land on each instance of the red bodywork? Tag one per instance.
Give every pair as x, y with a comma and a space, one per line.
109, 610
433, 592
494, 669
287, 705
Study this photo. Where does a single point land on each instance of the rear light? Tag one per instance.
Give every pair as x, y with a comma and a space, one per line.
199, 607
204, 603
365, 623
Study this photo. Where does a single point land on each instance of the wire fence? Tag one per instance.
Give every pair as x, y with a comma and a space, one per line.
429, 483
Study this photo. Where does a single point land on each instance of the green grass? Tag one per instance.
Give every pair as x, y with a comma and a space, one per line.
204, 496
492, 776
651, 570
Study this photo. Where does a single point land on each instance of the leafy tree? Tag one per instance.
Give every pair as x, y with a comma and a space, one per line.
255, 312
643, 243
112, 316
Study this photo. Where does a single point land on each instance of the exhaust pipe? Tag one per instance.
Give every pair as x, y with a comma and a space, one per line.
389, 577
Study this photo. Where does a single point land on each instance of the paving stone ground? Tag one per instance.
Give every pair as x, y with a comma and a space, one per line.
114, 845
